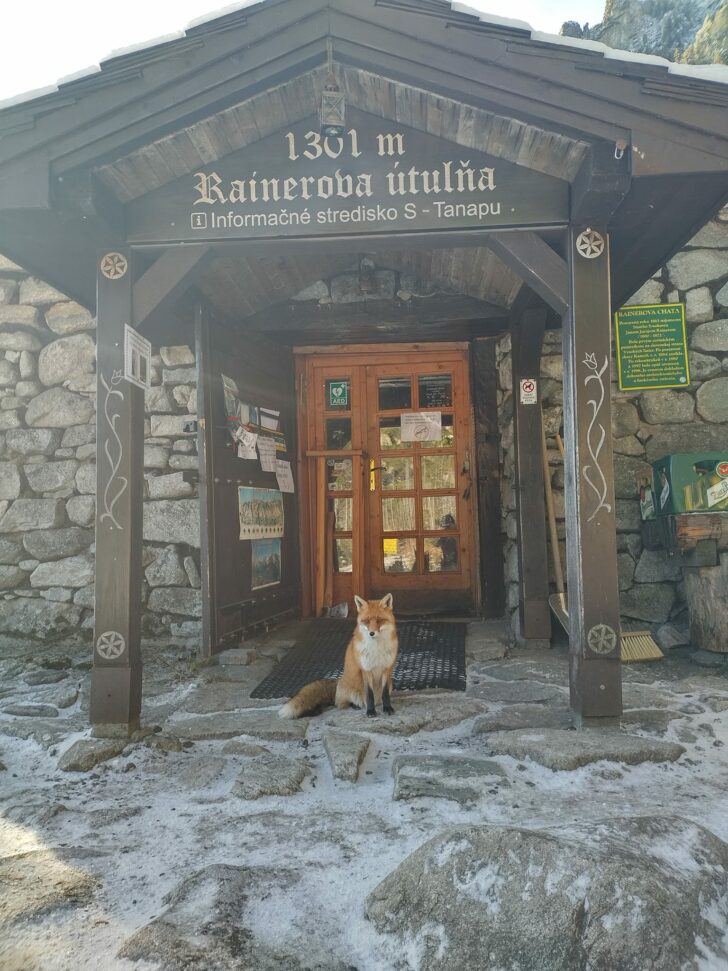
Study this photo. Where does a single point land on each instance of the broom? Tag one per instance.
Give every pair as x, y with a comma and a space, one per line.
635, 645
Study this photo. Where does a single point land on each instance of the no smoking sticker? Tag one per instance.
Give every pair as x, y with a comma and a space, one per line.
529, 391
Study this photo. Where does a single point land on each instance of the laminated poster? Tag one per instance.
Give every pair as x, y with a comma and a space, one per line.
421, 426
260, 512
284, 475
265, 563
267, 453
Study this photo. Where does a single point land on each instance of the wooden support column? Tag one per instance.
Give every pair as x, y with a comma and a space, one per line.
591, 545
116, 680
489, 477
526, 342
207, 479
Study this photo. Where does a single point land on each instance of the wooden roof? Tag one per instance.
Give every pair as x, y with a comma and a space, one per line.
72, 159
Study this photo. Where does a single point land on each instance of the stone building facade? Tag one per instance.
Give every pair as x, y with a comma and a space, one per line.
47, 455
48, 471
646, 426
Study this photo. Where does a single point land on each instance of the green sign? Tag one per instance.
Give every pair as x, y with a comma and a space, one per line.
338, 394
652, 350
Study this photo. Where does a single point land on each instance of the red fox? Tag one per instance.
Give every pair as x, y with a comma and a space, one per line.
368, 665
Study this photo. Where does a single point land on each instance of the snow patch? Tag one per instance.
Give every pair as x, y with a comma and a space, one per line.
484, 886
446, 852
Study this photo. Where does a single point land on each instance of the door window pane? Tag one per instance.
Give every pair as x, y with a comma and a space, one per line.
397, 474
343, 552
398, 516
400, 555
447, 439
441, 554
435, 390
342, 515
338, 433
395, 393
438, 471
338, 395
390, 433
339, 475
439, 512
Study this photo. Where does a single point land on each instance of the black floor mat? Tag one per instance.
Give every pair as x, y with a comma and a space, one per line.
431, 655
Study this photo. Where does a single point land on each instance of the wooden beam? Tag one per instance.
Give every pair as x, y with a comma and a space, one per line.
488, 478
526, 343
172, 273
536, 263
591, 546
206, 479
601, 184
382, 313
116, 679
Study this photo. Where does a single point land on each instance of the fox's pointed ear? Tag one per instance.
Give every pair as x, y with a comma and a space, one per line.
386, 600
360, 604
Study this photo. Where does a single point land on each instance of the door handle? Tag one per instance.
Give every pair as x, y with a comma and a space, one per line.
372, 477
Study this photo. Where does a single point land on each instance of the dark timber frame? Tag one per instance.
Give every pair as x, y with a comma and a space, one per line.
645, 153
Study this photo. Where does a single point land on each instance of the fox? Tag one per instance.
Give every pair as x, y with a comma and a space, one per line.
368, 664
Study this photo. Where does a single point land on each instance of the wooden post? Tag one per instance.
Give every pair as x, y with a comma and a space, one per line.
591, 545
489, 478
526, 342
116, 679
205, 451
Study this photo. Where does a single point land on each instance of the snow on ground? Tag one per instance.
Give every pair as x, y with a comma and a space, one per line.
173, 814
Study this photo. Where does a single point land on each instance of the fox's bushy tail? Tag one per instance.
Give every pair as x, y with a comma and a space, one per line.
310, 699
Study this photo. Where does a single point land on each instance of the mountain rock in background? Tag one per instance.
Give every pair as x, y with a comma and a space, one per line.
695, 31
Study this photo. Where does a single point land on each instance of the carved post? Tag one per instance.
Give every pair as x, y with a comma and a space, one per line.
117, 665
591, 544
526, 343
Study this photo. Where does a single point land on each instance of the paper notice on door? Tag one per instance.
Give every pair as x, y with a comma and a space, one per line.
421, 426
267, 453
284, 475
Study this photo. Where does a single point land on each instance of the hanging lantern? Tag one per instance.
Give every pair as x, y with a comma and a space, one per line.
333, 110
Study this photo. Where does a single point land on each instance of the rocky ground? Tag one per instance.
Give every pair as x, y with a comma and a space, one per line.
470, 830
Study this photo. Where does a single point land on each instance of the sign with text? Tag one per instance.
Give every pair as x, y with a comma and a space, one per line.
652, 350
379, 177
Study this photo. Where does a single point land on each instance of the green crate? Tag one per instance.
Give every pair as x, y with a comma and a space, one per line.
691, 482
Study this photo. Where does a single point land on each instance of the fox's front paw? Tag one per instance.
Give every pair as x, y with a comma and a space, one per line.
389, 710
371, 713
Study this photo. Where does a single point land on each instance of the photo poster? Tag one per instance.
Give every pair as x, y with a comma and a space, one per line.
261, 513
246, 423
265, 568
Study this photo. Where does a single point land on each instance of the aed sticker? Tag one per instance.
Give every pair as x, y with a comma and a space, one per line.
722, 469
529, 391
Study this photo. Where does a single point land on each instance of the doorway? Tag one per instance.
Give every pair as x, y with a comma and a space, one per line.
386, 450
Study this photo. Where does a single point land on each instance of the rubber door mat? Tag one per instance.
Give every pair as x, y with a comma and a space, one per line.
431, 655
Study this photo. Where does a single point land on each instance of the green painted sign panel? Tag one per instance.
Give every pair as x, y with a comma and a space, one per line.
652, 350
338, 394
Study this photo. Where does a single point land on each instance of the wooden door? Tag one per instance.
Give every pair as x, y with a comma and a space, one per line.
386, 514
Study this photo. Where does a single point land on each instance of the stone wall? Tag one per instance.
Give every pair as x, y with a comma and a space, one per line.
47, 452
645, 426
48, 471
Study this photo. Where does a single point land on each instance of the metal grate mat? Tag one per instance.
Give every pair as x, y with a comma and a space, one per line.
431, 655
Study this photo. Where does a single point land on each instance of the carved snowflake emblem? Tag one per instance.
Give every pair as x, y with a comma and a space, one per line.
590, 244
602, 639
114, 266
110, 645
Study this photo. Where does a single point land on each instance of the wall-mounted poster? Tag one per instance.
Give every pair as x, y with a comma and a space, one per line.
266, 563
260, 512
421, 426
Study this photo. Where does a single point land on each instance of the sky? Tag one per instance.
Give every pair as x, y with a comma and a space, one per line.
46, 40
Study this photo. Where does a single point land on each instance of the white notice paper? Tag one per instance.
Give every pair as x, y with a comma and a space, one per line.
529, 391
421, 426
267, 453
284, 476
